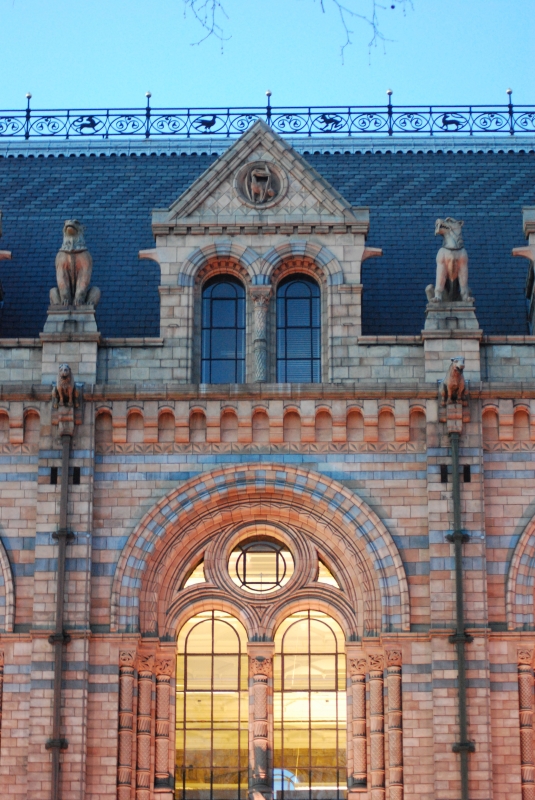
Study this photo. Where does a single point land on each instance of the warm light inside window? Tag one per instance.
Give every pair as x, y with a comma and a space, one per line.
197, 576
325, 576
261, 566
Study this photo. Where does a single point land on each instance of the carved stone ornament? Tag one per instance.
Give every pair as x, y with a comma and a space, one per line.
126, 658
524, 656
261, 666
451, 284
64, 392
260, 184
453, 387
376, 661
393, 658
145, 663
164, 666
357, 666
74, 266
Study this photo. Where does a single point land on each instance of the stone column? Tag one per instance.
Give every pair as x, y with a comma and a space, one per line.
126, 725
261, 672
1, 689
377, 726
357, 671
260, 296
164, 669
395, 724
525, 702
144, 697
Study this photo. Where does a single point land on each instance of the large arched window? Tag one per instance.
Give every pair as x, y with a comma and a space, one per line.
309, 754
298, 330
212, 709
223, 331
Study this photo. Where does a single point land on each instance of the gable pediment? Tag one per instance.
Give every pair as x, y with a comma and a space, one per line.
260, 179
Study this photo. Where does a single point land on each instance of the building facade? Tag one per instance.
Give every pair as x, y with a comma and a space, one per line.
267, 517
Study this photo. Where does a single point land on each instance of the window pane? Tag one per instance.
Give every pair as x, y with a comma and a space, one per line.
223, 331
298, 330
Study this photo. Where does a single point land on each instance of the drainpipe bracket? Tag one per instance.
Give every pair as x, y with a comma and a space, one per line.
453, 537
57, 744
464, 747
69, 535
63, 638
467, 638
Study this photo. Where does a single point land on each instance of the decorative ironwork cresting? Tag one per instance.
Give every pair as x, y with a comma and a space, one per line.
305, 121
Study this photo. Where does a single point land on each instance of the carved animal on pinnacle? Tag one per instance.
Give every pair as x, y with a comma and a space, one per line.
452, 387
64, 392
74, 266
452, 263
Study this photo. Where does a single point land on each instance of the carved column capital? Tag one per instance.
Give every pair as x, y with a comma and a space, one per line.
164, 666
261, 666
145, 663
393, 658
127, 658
376, 662
1, 658
524, 656
357, 666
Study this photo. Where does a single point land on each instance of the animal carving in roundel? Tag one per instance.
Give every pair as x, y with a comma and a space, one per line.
260, 184
74, 266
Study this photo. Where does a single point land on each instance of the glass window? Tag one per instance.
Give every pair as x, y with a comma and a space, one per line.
223, 331
298, 330
309, 708
212, 709
261, 567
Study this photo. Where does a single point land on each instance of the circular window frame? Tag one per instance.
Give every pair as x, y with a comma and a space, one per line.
249, 543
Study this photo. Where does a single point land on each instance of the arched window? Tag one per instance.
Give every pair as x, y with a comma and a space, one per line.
298, 330
309, 754
223, 331
212, 709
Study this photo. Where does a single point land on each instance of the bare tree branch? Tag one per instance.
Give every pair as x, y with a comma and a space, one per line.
211, 16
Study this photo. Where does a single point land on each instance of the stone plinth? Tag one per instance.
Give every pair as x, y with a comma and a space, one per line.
451, 329
70, 336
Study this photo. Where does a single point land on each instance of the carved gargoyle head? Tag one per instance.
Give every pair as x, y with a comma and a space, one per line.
73, 236
457, 363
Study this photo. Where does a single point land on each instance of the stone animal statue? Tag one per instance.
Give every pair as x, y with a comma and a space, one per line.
73, 269
452, 264
452, 387
64, 392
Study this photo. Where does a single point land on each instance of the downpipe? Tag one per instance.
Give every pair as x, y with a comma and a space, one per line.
460, 638
59, 638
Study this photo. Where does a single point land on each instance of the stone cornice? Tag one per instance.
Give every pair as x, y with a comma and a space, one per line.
247, 229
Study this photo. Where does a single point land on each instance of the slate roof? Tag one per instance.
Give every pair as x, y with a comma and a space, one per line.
113, 195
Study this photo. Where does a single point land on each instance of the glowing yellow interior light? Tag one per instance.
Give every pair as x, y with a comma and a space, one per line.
325, 576
197, 576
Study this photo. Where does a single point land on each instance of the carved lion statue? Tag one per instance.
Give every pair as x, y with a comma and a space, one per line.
453, 386
74, 266
64, 392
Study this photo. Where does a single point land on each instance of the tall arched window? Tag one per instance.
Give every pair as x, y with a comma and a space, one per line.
298, 330
223, 331
212, 709
309, 708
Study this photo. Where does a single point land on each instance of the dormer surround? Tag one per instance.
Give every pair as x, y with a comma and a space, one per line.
261, 213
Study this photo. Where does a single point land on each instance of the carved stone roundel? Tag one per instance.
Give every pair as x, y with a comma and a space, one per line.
260, 184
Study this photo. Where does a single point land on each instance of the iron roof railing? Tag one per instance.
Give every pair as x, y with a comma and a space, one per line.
229, 122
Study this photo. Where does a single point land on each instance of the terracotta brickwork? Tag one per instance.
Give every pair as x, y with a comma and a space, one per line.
353, 473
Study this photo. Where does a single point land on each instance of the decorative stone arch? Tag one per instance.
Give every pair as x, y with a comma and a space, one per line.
250, 261
181, 526
519, 597
7, 593
321, 256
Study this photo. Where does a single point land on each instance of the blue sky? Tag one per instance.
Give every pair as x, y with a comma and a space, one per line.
98, 53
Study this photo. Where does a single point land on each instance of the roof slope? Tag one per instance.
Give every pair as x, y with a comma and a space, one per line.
406, 192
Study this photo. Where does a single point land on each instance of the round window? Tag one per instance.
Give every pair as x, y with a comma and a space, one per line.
261, 566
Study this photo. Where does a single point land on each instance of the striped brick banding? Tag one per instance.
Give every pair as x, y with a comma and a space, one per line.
525, 702
395, 724
377, 727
